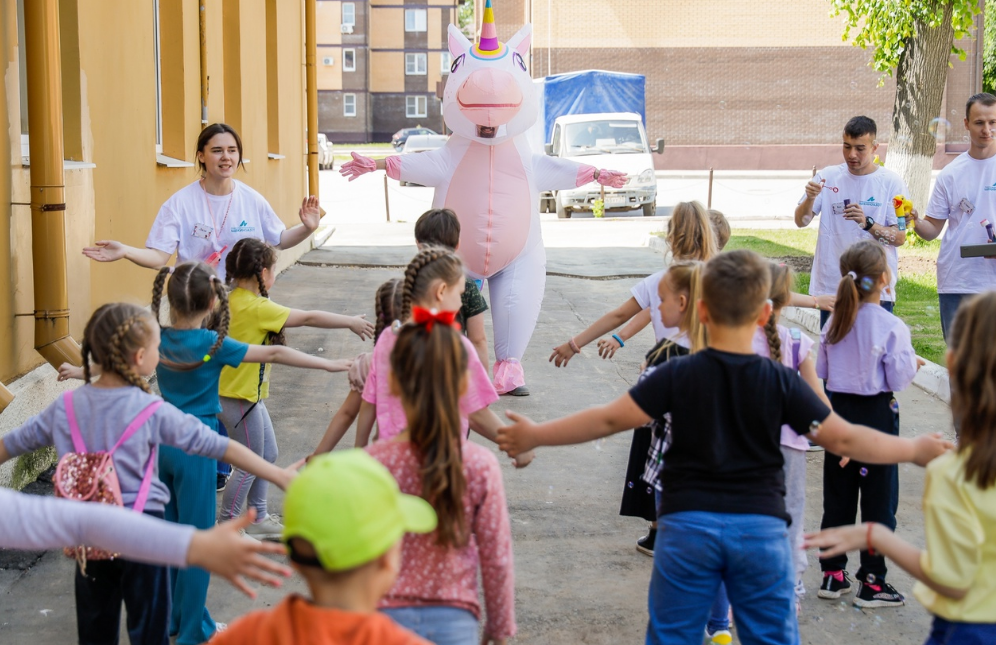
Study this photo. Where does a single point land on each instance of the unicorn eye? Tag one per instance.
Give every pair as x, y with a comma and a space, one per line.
517, 57
456, 63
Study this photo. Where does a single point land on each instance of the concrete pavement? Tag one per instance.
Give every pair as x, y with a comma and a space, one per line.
579, 578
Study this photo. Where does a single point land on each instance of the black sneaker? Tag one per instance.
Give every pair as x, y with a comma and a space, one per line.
877, 593
645, 545
834, 584
223, 480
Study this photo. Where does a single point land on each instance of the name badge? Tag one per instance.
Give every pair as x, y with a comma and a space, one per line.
837, 208
202, 231
966, 207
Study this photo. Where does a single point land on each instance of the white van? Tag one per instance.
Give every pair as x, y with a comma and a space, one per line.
615, 141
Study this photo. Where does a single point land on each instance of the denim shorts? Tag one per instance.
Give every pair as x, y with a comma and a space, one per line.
437, 623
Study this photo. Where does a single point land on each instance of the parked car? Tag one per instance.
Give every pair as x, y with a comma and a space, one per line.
401, 136
324, 152
421, 143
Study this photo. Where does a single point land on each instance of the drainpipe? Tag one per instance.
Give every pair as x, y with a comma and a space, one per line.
48, 199
202, 25
310, 52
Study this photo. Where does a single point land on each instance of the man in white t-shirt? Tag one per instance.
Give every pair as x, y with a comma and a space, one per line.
854, 201
965, 196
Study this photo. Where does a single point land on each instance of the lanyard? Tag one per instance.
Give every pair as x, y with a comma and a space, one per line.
211, 213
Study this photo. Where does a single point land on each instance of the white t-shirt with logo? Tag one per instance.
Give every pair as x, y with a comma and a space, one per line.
195, 224
964, 194
874, 192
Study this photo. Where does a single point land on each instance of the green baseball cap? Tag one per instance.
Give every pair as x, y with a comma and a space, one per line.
349, 507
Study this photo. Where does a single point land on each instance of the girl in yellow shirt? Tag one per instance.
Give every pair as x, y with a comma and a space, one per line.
957, 571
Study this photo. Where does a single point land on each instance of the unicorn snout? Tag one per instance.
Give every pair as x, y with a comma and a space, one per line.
490, 97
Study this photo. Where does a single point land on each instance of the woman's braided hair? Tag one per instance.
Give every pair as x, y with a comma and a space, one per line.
247, 260
780, 293
430, 264
194, 288
112, 336
387, 305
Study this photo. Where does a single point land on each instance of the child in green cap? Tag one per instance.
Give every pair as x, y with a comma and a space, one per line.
344, 518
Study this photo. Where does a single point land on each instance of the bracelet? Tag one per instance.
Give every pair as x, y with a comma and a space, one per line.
816, 303
868, 539
619, 340
574, 346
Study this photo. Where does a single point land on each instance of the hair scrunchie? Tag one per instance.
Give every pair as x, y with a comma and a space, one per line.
852, 275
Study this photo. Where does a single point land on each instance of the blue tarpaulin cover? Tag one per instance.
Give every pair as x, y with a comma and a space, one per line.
590, 92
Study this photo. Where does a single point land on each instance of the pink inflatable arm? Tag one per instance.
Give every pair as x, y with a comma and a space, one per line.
360, 165
393, 167
611, 178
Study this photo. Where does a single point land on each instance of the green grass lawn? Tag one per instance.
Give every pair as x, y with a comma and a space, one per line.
916, 301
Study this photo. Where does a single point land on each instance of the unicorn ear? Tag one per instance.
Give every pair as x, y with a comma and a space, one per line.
521, 40
458, 42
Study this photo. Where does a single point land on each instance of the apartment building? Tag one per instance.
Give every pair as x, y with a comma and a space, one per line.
379, 64
732, 83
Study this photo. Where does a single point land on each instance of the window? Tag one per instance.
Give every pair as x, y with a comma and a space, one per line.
445, 61
415, 107
349, 60
415, 20
349, 105
349, 13
159, 76
415, 64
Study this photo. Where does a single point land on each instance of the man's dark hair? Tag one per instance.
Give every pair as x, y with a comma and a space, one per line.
985, 98
439, 227
859, 126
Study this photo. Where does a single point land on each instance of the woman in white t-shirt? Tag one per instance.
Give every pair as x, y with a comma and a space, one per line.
204, 220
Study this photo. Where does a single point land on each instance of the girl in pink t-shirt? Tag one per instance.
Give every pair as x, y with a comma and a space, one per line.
435, 594
434, 280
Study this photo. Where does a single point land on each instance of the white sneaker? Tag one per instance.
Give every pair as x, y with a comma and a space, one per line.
269, 528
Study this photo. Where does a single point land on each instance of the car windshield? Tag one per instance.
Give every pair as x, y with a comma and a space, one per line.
600, 137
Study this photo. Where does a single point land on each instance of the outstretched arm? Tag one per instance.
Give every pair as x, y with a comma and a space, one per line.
328, 320
873, 447
310, 214
288, 356
111, 251
607, 346
563, 353
248, 461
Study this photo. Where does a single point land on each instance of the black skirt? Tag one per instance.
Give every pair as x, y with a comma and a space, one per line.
638, 495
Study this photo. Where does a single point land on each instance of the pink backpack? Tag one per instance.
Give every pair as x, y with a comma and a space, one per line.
90, 477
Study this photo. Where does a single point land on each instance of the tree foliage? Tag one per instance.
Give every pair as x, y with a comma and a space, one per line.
989, 48
465, 17
886, 26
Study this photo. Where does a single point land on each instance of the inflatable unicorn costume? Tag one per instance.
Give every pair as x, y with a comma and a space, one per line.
490, 177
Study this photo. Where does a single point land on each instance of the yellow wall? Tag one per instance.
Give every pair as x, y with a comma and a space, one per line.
328, 16
119, 198
389, 29
329, 76
387, 71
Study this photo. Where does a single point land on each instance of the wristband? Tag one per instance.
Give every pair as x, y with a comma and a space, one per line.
574, 346
619, 340
816, 303
868, 539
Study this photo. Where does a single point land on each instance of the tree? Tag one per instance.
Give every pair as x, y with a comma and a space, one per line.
465, 18
914, 38
989, 49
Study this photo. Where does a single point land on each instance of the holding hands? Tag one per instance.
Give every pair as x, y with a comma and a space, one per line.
518, 438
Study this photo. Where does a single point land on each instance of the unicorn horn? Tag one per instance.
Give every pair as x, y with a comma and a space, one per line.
489, 34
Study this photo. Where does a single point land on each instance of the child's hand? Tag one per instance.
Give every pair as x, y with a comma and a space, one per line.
68, 371
339, 365
289, 473
839, 539
825, 303
362, 327
920, 363
517, 438
488, 640
224, 552
844, 461
929, 446
524, 459
562, 354
607, 347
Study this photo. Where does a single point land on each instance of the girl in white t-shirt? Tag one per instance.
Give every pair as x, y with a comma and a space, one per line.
203, 221
690, 237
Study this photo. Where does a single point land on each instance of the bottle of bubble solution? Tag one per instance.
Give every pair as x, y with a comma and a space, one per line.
903, 208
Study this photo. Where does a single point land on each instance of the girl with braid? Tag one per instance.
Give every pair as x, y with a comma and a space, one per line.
460, 479
123, 340
388, 307
255, 319
434, 280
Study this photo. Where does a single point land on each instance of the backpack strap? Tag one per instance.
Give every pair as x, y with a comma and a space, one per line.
74, 427
138, 422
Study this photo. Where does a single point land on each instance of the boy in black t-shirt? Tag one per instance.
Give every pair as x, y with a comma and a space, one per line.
722, 515
440, 227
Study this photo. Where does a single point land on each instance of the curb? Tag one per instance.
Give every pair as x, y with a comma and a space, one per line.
932, 378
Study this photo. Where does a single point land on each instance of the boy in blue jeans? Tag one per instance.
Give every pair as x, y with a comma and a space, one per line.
722, 514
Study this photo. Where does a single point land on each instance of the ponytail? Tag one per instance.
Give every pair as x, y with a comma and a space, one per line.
779, 295
860, 265
192, 288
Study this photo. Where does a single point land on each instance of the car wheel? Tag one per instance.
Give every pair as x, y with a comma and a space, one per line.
562, 213
649, 210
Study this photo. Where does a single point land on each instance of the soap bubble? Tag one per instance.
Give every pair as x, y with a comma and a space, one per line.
722, 105
903, 139
894, 406
629, 484
916, 124
854, 85
598, 444
863, 472
954, 112
938, 127
965, 138
650, 491
931, 310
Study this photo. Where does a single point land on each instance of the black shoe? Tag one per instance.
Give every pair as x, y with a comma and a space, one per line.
522, 390
223, 481
877, 593
834, 584
645, 545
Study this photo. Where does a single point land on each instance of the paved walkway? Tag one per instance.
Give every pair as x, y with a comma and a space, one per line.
579, 578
